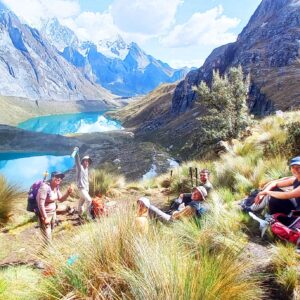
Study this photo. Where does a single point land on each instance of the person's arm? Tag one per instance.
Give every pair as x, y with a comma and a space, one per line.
188, 211
284, 195
64, 197
41, 200
282, 182
77, 161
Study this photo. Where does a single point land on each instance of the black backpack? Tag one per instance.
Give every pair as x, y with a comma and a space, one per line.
247, 202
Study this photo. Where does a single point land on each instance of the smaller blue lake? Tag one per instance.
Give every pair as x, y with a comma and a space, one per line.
25, 168
71, 123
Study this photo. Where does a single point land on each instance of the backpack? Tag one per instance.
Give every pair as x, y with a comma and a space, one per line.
247, 202
97, 207
32, 205
287, 227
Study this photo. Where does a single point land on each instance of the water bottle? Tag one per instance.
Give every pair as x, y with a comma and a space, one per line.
74, 152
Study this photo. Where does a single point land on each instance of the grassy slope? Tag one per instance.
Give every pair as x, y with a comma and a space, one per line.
202, 260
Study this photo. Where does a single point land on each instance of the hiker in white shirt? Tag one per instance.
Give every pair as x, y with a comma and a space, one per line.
82, 174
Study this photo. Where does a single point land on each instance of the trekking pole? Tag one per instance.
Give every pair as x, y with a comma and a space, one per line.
171, 177
45, 175
191, 175
196, 172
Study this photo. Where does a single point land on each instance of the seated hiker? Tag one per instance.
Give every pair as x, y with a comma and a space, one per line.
281, 201
141, 220
47, 196
185, 198
195, 207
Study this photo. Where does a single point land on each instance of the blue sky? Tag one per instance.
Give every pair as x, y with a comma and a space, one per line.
179, 32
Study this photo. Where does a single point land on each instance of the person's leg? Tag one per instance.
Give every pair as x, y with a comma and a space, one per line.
160, 213
46, 229
80, 204
88, 200
280, 206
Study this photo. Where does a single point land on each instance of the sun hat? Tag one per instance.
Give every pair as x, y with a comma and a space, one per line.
202, 190
86, 158
295, 161
145, 201
57, 174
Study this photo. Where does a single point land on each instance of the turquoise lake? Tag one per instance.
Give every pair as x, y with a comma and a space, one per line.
25, 168
71, 123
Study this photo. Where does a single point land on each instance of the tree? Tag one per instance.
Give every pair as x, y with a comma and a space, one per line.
225, 104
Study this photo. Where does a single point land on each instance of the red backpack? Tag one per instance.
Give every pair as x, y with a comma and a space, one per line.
287, 227
97, 208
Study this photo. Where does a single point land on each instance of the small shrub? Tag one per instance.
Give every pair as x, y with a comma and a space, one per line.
8, 197
293, 139
104, 182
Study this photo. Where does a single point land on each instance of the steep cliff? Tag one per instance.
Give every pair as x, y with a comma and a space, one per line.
30, 67
268, 50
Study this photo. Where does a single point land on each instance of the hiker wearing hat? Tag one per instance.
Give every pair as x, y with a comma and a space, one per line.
281, 201
141, 220
47, 196
82, 174
194, 208
185, 198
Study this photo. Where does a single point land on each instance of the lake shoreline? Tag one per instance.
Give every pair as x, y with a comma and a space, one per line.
16, 110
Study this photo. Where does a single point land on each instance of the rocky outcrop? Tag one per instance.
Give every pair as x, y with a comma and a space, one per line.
268, 50
30, 67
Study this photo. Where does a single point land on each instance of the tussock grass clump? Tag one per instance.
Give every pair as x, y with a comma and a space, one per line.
19, 283
105, 183
286, 262
8, 197
113, 261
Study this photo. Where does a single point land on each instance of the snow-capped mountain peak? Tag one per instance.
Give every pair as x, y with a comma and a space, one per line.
58, 35
113, 48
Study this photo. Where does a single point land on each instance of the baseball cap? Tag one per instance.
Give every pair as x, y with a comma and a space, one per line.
57, 174
145, 201
202, 190
295, 161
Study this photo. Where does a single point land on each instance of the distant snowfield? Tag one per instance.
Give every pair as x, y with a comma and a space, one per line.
102, 124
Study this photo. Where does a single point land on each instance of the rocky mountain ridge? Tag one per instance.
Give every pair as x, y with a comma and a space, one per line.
268, 50
30, 67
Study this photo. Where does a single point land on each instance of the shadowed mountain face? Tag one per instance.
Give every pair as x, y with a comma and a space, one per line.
30, 67
124, 69
268, 50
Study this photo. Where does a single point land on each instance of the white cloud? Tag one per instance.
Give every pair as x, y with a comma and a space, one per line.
92, 26
208, 28
149, 17
180, 63
34, 11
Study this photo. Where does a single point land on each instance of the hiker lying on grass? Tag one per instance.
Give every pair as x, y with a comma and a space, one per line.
185, 198
47, 196
194, 208
280, 201
141, 220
